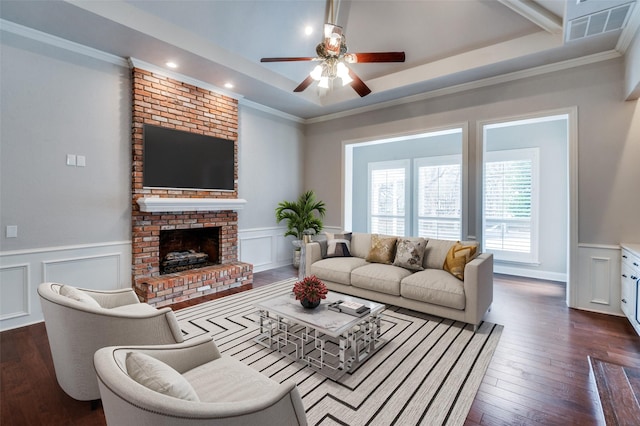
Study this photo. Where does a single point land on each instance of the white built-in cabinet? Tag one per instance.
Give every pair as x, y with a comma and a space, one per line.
630, 266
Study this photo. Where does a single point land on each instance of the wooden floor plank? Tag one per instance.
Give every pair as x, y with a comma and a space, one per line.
539, 375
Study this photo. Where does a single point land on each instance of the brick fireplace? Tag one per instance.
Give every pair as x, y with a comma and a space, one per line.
188, 224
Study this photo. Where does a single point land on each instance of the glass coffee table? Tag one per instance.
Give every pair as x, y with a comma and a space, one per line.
330, 342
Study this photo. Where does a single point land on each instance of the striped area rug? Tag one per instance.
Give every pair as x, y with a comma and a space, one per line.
427, 372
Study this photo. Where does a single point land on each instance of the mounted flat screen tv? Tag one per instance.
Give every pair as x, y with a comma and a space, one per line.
177, 159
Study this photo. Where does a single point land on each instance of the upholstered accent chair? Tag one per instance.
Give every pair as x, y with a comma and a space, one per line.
190, 384
81, 321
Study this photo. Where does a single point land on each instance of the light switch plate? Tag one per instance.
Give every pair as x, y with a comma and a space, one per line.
71, 159
12, 231
81, 160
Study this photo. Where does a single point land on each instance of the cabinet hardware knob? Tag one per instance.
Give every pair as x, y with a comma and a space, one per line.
624, 255
624, 275
635, 264
624, 300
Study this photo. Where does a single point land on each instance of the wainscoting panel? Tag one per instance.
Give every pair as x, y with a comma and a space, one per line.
94, 272
14, 291
105, 266
265, 248
599, 278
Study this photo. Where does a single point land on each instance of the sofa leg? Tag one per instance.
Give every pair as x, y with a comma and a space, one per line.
95, 404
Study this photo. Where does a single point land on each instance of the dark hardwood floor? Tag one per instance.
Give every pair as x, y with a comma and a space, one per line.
539, 373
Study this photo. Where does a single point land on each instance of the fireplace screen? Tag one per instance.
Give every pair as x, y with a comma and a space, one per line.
184, 249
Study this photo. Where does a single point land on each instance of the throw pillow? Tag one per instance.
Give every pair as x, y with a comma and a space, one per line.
383, 249
79, 295
459, 255
410, 253
339, 245
158, 376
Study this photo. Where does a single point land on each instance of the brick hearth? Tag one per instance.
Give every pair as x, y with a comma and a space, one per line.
161, 101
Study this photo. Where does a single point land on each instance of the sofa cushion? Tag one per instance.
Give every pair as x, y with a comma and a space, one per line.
457, 257
378, 277
78, 295
383, 249
158, 376
339, 245
434, 286
360, 244
410, 253
228, 380
336, 269
436, 253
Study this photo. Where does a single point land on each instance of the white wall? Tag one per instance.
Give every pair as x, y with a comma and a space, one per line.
73, 222
632, 70
270, 170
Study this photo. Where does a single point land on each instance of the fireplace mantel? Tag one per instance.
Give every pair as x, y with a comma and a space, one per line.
157, 204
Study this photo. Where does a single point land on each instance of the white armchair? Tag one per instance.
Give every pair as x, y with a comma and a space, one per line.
228, 392
83, 321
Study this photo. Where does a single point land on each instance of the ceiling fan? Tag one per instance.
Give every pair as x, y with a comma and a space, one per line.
333, 57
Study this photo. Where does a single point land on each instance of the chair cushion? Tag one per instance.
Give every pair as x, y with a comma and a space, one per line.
410, 253
134, 308
337, 269
434, 286
158, 376
78, 295
378, 277
383, 250
227, 380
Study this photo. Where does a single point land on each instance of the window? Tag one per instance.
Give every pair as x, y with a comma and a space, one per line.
511, 204
387, 197
439, 201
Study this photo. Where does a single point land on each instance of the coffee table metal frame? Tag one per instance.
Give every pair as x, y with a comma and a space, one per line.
331, 343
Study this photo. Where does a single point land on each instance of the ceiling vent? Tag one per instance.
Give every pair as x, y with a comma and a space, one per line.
599, 22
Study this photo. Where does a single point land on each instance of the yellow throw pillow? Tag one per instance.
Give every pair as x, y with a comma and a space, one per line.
383, 250
457, 258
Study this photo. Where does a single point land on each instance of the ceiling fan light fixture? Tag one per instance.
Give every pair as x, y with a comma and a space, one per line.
316, 73
342, 71
324, 82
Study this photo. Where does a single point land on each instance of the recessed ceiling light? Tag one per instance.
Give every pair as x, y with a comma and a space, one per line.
308, 30
228, 85
171, 64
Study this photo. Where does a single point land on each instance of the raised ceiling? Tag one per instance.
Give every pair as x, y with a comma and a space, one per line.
448, 43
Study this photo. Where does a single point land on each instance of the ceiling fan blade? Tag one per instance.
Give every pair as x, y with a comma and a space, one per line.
291, 59
306, 83
374, 57
358, 85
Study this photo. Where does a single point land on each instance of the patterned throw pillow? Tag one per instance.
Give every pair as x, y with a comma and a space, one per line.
410, 252
459, 255
339, 245
383, 250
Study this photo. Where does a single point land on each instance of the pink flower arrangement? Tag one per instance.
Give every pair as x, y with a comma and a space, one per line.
311, 289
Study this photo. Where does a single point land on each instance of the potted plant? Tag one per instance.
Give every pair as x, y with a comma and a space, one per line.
309, 291
303, 215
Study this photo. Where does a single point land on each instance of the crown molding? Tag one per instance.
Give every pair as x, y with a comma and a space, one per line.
61, 43
629, 30
536, 14
477, 84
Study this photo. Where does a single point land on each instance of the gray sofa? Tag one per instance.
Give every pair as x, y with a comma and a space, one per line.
433, 290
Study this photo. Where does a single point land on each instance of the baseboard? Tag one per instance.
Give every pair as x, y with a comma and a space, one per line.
529, 273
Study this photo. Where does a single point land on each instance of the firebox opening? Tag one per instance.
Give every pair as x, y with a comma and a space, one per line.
184, 249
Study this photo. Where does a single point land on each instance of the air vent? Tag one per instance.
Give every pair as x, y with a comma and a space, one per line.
599, 22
